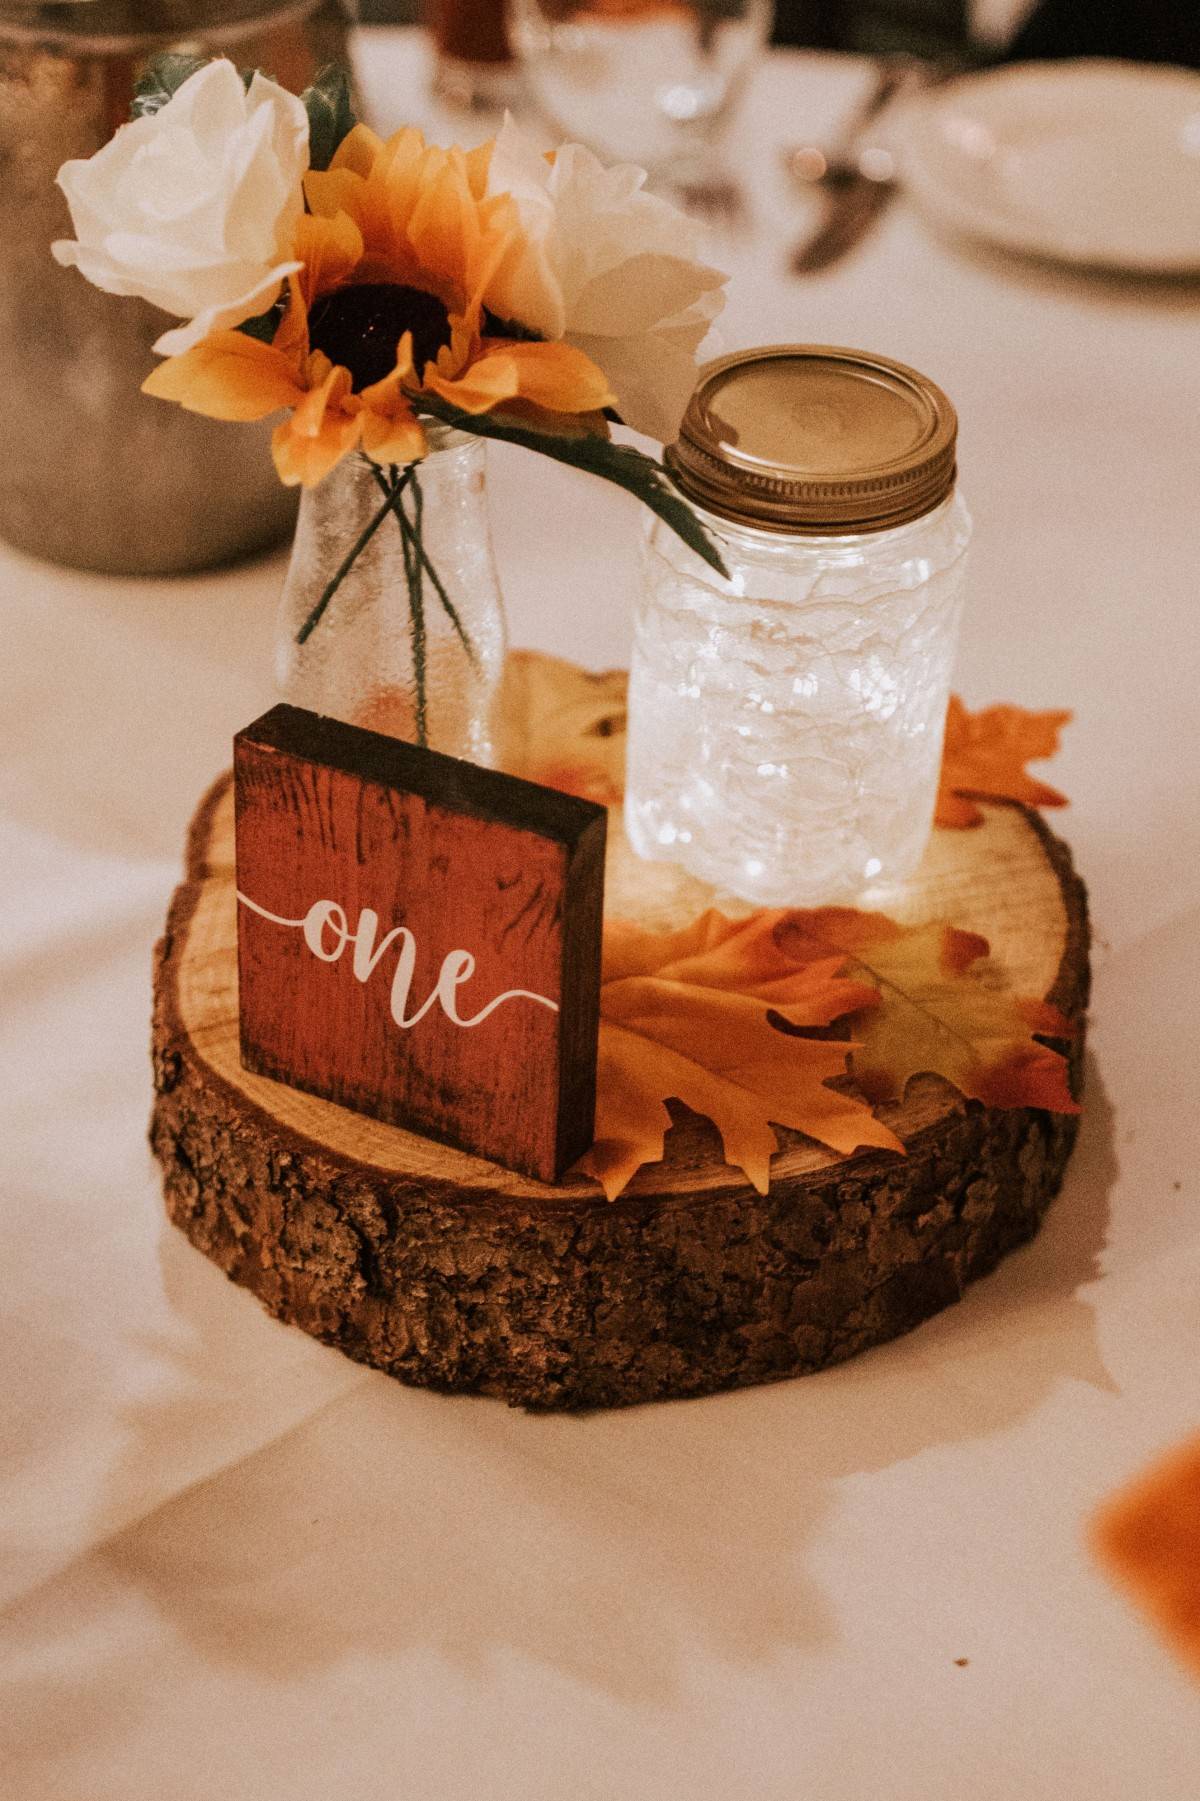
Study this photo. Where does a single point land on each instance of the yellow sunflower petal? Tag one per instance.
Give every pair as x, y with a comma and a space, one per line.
326, 424
291, 335
405, 148
358, 150
478, 164
559, 425
227, 376
406, 164
464, 347
332, 191
303, 461
559, 378
383, 393
395, 437
500, 235
445, 229
379, 195
330, 246
390, 430
330, 386
481, 386
554, 377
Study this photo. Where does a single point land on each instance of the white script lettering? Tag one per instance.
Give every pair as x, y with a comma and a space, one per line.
327, 933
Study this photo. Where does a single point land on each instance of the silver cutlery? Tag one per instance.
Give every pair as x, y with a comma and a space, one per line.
854, 177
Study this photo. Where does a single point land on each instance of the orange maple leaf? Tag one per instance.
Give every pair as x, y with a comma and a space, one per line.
984, 758
686, 1016
938, 1011
1148, 1536
565, 727
588, 781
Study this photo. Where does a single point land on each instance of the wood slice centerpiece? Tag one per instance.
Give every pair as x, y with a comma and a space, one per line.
448, 1271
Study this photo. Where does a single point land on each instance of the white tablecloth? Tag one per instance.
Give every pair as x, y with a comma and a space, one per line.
236, 1565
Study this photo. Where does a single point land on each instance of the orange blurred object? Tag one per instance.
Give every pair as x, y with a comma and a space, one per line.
637, 9
1148, 1537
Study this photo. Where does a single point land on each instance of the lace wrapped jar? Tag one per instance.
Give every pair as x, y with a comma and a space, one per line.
786, 725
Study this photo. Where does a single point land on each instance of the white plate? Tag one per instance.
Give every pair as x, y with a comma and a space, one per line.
1085, 162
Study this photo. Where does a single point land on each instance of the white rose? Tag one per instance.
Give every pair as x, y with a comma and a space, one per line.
193, 208
611, 269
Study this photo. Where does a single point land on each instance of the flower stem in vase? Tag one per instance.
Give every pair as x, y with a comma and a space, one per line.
416, 532
348, 562
418, 565
435, 578
416, 604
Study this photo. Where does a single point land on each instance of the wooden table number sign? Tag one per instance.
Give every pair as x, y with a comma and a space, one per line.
419, 938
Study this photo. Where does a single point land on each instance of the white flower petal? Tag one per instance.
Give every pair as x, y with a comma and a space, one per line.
211, 104
193, 208
222, 318
638, 293
651, 377
526, 291
517, 166
99, 269
612, 269
525, 288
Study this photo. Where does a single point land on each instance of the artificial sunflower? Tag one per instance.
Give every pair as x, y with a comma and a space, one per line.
398, 249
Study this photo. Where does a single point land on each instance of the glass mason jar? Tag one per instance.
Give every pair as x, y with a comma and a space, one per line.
786, 725
361, 662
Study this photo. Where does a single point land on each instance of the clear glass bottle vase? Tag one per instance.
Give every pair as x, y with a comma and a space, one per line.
424, 665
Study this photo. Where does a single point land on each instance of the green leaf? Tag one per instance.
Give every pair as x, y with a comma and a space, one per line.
330, 114
162, 76
263, 326
630, 469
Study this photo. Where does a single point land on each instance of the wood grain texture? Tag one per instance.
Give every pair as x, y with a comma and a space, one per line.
450, 1272
444, 859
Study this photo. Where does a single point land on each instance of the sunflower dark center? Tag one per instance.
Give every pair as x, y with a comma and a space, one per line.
360, 327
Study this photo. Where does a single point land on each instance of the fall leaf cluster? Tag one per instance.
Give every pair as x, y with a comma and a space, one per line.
722, 1015
806, 1020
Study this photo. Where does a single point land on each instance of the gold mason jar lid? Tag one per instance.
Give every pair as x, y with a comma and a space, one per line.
816, 439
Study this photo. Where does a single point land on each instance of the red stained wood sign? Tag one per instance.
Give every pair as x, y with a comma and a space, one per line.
419, 938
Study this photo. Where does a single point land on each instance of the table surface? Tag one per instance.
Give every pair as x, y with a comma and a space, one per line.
237, 1565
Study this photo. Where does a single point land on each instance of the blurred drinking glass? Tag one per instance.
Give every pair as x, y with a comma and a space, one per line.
474, 68
643, 81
